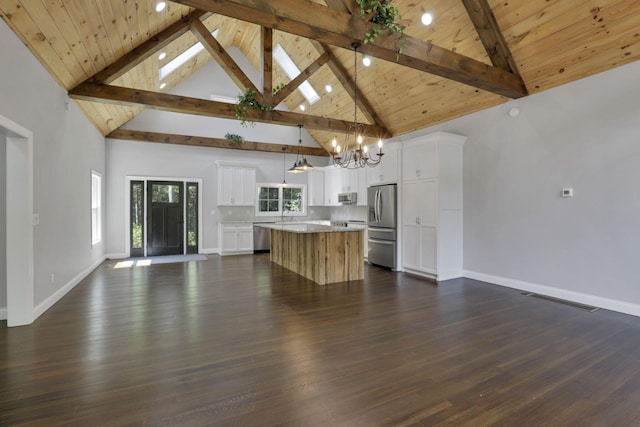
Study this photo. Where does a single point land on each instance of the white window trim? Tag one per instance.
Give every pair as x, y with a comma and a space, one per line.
96, 208
280, 186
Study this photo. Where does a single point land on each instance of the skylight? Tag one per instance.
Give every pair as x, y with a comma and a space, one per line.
291, 69
179, 60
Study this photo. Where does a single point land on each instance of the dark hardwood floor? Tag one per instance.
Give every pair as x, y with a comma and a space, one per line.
238, 341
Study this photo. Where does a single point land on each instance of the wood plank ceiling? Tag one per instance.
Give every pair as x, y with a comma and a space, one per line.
538, 45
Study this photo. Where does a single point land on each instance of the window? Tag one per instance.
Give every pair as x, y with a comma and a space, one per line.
96, 208
179, 60
291, 69
278, 199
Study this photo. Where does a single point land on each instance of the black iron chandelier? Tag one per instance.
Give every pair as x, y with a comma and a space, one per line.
354, 154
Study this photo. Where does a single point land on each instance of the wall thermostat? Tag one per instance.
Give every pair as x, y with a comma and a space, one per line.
567, 192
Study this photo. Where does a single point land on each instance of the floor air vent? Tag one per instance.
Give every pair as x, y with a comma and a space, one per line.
585, 307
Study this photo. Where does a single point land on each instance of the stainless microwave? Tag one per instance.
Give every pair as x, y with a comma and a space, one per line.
347, 198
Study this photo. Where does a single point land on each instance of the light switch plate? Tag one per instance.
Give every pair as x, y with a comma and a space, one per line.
567, 192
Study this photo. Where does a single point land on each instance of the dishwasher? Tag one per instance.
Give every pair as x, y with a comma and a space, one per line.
261, 238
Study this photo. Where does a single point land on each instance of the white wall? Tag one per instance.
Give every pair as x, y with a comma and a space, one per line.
518, 231
66, 147
126, 158
3, 223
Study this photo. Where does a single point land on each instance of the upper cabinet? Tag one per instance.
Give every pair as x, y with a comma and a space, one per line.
316, 187
236, 184
339, 180
387, 171
332, 185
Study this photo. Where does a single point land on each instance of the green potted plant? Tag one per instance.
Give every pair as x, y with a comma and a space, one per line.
234, 137
245, 101
385, 16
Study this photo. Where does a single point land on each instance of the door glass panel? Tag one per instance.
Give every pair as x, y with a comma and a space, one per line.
165, 193
137, 217
192, 217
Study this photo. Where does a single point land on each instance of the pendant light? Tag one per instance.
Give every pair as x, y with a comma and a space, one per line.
301, 164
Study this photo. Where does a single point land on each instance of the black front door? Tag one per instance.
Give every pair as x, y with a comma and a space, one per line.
165, 209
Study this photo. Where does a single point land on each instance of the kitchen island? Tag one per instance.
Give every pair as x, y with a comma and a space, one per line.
322, 253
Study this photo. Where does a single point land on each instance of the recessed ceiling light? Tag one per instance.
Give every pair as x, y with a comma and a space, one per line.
426, 19
302, 108
162, 56
163, 85
366, 61
160, 6
328, 88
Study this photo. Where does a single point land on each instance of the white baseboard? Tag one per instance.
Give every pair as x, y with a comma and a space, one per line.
56, 296
210, 251
451, 274
116, 256
579, 297
3, 313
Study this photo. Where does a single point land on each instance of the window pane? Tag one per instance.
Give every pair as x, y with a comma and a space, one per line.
137, 211
192, 215
292, 199
268, 199
165, 193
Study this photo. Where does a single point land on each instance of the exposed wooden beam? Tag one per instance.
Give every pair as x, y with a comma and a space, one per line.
301, 78
201, 141
221, 56
341, 5
316, 21
148, 48
96, 92
266, 42
347, 83
489, 32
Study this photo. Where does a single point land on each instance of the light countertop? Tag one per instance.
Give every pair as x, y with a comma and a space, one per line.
311, 228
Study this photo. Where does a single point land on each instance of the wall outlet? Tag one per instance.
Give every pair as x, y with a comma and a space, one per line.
53, 278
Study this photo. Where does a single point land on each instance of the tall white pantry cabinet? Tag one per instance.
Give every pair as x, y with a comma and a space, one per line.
431, 217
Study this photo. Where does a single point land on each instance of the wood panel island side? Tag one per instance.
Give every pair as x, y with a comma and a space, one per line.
322, 253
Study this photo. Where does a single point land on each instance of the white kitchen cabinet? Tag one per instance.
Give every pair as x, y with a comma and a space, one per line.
432, 205
316, 187
387, 170
348, 180
236, 184
362, 186
235, 238
332, 185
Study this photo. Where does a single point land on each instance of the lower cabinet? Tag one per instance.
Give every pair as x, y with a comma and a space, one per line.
235, 238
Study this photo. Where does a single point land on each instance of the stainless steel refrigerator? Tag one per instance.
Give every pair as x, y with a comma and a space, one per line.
382, 225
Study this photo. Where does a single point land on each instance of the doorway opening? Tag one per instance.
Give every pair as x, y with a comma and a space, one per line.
16, 284
163, 217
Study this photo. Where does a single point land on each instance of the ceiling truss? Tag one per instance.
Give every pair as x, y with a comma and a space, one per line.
331, 25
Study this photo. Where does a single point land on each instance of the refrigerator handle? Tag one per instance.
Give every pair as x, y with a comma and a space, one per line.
375, 206
377, 201
379, 205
